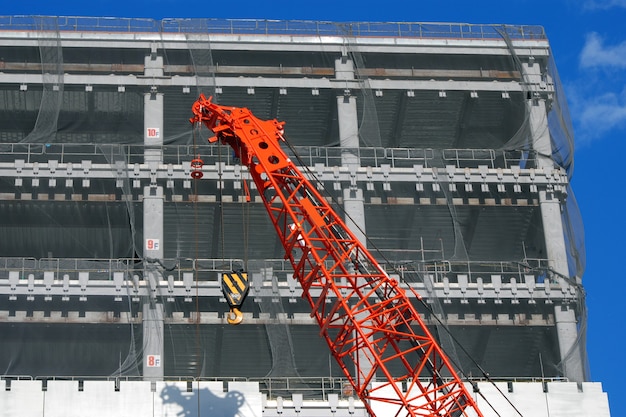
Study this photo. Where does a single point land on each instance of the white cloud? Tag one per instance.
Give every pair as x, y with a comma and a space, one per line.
596, 116
596, 54
603, 4
597, 95
597, 98
604, 112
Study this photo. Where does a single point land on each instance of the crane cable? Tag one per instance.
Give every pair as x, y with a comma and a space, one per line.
221, 201
417, 296
245, 213
235, 316
196, 254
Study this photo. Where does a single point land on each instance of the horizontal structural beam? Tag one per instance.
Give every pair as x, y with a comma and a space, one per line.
215, 317
189, 70
498, 288
287, 42
269, 82
385, 173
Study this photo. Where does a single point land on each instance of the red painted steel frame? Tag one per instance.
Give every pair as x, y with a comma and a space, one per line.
369, 323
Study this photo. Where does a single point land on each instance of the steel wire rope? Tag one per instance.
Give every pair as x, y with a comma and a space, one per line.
245, 220
220, 187
245, 214
417, 296
195, 269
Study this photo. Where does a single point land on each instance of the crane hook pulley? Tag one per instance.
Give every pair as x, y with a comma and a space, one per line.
196, 168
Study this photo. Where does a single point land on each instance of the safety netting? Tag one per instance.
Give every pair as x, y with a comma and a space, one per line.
432, 232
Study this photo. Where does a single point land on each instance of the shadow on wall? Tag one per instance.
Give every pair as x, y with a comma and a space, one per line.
201, 402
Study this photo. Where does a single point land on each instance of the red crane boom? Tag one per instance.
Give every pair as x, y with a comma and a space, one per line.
372, 329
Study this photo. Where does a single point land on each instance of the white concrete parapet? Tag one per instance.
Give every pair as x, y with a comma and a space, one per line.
73, 398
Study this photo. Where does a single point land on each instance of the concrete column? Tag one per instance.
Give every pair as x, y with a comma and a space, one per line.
349, 142
153, 222
556, 251
347, 114
153, 141
153, 109
153, 194
353, 203
567, 329
153, 250
564, 314
153, 126
153, 341
153, 273
353, 200
348, 129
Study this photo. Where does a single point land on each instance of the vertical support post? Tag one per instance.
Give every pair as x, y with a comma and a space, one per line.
153, 126
153, 251
153, 193
347, 115
153, 222
556, 251
152, 322
349, 142
153, 110
353, 201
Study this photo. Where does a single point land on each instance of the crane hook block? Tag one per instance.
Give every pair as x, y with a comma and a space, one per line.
196, 165
235, 287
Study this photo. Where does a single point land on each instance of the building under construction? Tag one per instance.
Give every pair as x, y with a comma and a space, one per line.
447, 148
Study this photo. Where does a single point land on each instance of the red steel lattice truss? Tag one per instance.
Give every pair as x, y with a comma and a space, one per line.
372, 329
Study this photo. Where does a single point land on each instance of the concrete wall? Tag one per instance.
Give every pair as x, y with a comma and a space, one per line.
536, 399
134, 398
560, 399
29, 398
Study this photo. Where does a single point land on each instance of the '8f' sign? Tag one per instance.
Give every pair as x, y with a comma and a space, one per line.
153, 361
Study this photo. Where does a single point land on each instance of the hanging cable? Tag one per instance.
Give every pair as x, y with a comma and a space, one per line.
221, 200
197, 249
234, 316
245, 215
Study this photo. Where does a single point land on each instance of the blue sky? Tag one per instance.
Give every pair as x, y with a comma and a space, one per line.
588, 39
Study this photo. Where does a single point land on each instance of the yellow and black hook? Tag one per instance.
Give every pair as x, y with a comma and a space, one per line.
234, 316
235, 287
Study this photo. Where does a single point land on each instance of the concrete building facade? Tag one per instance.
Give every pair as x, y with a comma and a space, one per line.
446, 147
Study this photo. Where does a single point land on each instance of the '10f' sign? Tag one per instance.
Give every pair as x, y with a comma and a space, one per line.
153, 132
